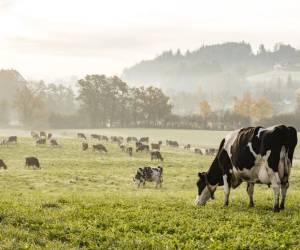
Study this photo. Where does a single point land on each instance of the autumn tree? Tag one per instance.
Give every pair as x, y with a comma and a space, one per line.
244, 106
262, 108
205, 109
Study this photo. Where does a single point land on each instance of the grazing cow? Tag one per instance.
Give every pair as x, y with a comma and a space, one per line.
85, 146
172, 143
32, 162
252, 155
53, 142
129, 151
150, 174
188, 146
104, 138
43, 134
12, 139
98, 137
122, 147
81, 135
34, 134
155, 146
41, 141
100, 148
156, 155
2, 164
49, 136
142, 147
144, 139
198, 151
3, 142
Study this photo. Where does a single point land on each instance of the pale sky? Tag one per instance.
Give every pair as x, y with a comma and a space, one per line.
49, 39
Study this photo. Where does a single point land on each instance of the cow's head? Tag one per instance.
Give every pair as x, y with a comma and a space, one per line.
205, 190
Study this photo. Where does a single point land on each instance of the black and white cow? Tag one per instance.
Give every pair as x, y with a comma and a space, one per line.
252, 155
150, 174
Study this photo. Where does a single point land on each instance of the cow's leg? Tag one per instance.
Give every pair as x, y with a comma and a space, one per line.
226, 190
250, 190
284, 187
275, 181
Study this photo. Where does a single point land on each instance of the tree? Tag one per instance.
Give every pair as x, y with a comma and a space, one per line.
262, 108
245, 105
29, 106
205, 109
4, 111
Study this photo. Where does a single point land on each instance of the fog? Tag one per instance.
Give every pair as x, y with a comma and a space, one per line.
183, 64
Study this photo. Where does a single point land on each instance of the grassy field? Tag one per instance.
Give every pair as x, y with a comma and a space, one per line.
87, 200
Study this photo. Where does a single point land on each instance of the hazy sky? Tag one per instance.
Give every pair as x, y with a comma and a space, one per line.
47, 39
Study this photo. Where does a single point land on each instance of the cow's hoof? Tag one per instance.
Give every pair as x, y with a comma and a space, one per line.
281, 207
276, 209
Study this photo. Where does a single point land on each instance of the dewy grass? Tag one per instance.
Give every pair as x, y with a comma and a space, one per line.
87, 200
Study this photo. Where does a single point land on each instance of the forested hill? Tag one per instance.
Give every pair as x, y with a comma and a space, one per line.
211, 66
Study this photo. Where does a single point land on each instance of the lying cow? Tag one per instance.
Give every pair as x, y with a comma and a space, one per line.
156, 155
100, 148
2, 164
253, 155
54, 142
32, 162
150, 174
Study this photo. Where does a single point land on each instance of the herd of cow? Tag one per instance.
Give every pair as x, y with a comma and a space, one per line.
254, 155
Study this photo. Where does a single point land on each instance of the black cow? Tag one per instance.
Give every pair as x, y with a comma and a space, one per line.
156, 155
32, 162
142, 147
12, 139
252, 155
41, 141
100, 148
129, 151
2, 164
85, 146
81, 135
149, 174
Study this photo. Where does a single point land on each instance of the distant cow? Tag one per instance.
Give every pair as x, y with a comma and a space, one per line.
94, 136
12, 139
155, 146
122, 147
188, 146
156, 155
172, 143
81, 135
142, 147
85, 146
104, 138
3, 142
198, 151
100, 148
41, 141
49, 136
32, 162
34, 134
53, 142
144, 139
150, 174
2, 164
129, 151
